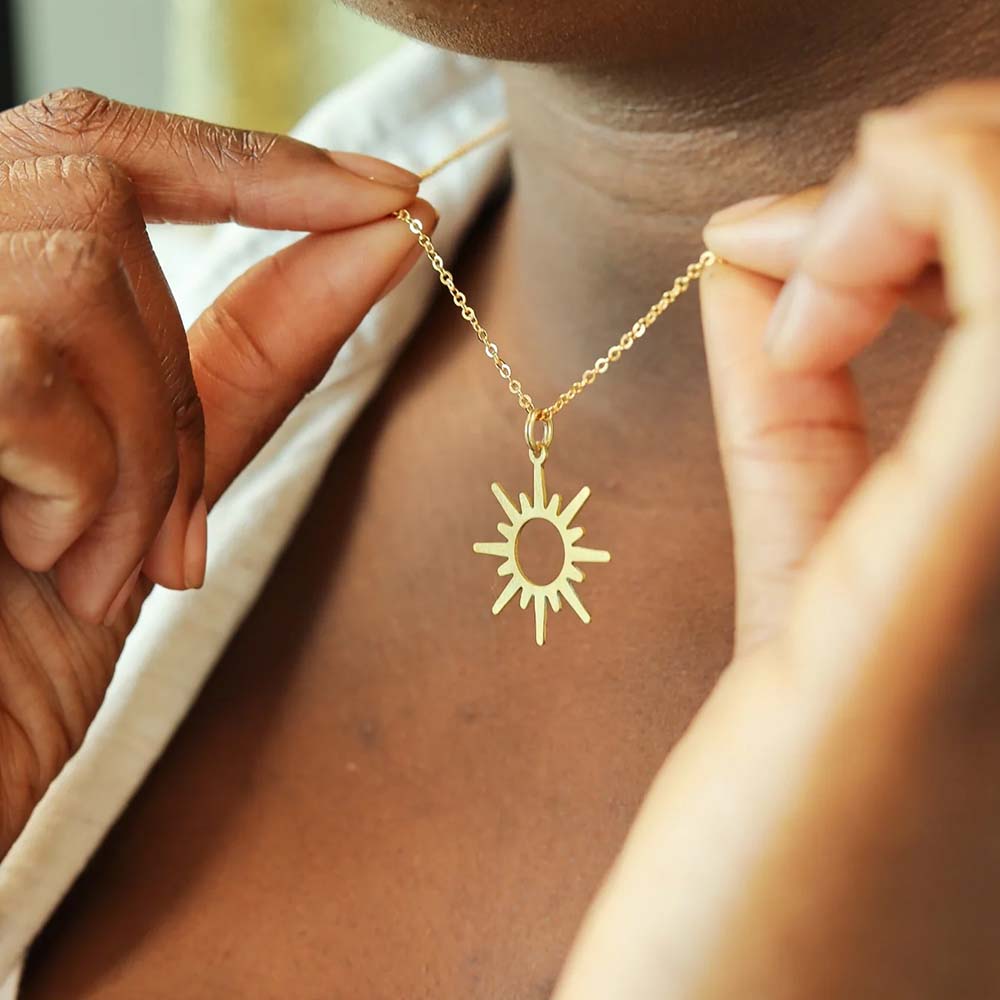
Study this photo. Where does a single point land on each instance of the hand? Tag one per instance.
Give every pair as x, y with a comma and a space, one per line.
830, 824
117, 432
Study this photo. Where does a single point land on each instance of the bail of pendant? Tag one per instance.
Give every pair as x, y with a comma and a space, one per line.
538, 446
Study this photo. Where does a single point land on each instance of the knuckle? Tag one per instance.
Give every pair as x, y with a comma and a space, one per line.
235, 147
93, 187
27, 367
80, 258
253, 147
70, 110
100, 181
218, 147
34, 523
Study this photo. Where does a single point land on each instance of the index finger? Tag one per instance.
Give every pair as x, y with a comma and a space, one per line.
916, 546
923, 191
187, 170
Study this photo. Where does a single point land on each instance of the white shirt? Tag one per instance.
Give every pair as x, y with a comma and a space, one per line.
413, 110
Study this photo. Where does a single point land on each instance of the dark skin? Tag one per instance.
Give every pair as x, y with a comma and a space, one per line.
407, 710
421, 803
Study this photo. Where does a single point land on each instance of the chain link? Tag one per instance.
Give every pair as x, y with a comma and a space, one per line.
489, 135
639, 329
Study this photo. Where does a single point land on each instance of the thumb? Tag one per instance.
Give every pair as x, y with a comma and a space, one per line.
793, 446
273, 334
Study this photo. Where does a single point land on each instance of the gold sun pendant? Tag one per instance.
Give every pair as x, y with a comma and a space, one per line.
539, 508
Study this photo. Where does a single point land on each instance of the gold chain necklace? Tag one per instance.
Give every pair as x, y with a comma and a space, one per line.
540, 507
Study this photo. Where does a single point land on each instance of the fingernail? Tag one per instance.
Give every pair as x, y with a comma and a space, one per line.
743, 210
378, 171
789, 318
428, 215
196, 546
128, 587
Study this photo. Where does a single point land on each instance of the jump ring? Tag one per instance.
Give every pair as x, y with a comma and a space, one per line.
536, 417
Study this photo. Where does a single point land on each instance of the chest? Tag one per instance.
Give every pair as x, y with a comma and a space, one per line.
384, 790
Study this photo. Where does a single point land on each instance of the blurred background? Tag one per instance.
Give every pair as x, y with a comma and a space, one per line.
253, 63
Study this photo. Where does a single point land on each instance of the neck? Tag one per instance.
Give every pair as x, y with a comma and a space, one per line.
616, 169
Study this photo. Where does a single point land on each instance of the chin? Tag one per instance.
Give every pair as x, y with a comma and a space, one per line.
552, 31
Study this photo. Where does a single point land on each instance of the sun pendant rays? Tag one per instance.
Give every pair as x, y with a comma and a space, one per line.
552, 594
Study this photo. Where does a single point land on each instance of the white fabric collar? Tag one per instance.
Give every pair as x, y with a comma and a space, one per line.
413, 110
